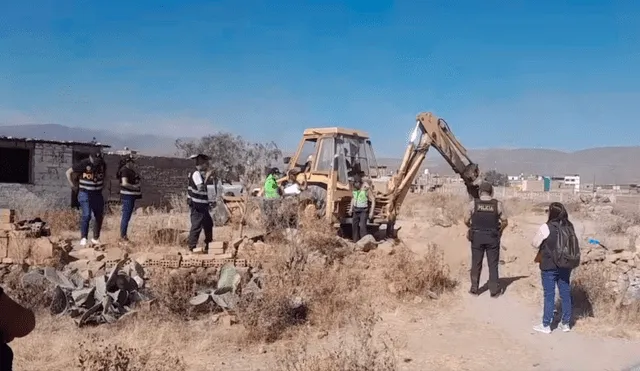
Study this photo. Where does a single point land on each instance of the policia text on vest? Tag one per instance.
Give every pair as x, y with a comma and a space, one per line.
486, 223
90, 182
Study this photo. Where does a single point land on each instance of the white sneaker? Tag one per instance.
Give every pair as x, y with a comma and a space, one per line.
565, 327
83, 242
95, 242
542, 328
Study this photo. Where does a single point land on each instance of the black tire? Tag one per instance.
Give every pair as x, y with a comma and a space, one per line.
345, 231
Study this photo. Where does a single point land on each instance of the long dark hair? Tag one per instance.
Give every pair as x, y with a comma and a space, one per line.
558, 214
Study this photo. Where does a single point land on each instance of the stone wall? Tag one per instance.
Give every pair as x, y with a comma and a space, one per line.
162, 177
49, 186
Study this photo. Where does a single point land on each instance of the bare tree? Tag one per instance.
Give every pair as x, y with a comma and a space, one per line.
233, 158
496, 178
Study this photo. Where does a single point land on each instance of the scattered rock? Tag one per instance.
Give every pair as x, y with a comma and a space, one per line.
367, 243
440, 219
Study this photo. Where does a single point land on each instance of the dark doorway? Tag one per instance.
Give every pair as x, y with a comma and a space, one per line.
15, 165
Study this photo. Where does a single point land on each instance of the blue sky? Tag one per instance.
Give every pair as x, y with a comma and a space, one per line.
554, 74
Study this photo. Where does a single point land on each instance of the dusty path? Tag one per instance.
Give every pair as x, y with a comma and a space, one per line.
478, 333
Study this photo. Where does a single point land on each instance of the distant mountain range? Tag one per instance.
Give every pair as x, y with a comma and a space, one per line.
607, 164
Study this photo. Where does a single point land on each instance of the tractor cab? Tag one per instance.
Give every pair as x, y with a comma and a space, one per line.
326, 161
318, 148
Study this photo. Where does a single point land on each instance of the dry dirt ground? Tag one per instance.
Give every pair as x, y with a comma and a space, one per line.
454, 332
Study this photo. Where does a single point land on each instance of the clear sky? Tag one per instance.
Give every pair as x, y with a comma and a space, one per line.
556, 74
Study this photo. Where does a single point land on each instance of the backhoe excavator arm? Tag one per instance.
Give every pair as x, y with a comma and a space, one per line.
431, 131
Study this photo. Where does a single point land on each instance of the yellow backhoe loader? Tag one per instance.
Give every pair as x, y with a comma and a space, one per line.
328, 158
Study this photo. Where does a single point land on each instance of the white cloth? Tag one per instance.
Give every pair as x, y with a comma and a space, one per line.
197, 178
292, 189
541, 235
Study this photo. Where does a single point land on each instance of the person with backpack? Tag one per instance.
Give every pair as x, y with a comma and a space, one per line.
558, 254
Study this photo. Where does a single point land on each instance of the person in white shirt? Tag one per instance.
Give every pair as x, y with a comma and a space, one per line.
545, 242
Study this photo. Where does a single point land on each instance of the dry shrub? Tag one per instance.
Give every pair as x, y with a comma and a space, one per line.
34, 297
325, 290
62, 220
423, 277
615, 225
174, 290
270, 315
363, 352
96, 355
630, 217
593, 298
178, 202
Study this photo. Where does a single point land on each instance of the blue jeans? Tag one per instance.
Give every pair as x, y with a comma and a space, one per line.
128, 204
91, 202
562, 278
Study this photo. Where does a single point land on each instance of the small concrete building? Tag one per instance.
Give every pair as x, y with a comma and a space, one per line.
33, 171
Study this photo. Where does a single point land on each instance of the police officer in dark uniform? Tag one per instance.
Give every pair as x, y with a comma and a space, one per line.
90, 175
198, 200
486, 220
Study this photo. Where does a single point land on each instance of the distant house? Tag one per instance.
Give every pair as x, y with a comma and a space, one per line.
35, 167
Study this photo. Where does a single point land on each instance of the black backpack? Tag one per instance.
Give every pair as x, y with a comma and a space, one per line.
567, 251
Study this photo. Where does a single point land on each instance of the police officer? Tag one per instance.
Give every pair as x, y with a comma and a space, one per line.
486, 220
90, 173
129, 192
198, 200
360, 210
271, 193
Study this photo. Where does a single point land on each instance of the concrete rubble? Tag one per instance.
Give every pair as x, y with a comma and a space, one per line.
621, 267
104, 298
225, 295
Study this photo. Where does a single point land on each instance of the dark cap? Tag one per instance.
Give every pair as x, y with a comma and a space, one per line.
199, 156
274, 170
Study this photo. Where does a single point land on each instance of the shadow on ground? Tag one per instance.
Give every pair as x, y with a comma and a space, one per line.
503, 282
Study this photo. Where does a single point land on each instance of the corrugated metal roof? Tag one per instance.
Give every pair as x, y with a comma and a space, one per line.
47, 141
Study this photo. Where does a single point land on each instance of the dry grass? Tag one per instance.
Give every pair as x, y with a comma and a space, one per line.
410, 276
362, 352
594, 299
97, 355
34, 297
173, 291
306, 283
